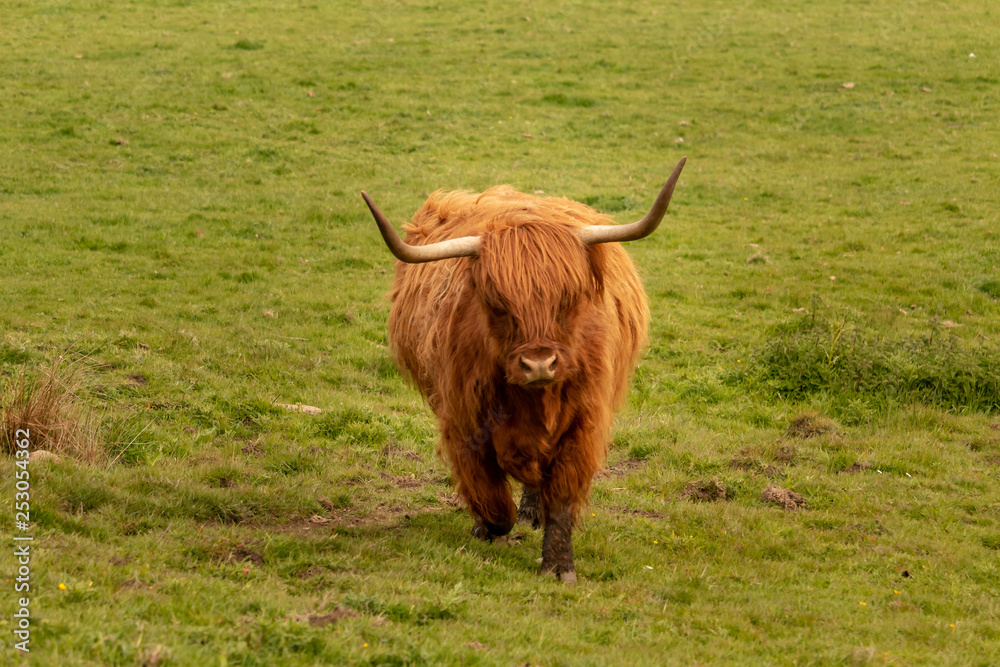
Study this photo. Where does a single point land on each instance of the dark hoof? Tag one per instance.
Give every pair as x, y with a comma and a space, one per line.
481, 532
487, 532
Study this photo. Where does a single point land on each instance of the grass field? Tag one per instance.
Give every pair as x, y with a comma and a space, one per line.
180, 223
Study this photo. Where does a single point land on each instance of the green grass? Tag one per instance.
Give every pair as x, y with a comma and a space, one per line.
179, 212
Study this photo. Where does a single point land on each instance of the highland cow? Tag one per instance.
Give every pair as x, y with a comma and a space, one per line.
520, 318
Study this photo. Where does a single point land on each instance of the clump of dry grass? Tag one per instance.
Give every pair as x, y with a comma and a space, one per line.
811, 424
49, 405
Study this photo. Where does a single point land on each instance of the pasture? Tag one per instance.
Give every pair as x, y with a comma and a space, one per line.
181, 225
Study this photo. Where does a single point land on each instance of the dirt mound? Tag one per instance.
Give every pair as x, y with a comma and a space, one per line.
784, 497
705, 491
242, 554
810, 424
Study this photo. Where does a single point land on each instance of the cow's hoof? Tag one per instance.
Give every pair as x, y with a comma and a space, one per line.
487, 532
481, 532
567, 576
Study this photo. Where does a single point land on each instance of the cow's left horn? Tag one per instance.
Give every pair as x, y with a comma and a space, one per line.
636, 230
465, 246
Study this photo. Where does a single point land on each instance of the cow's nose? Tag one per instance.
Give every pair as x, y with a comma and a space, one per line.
539, 368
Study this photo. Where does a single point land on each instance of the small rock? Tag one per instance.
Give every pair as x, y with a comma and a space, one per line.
295, 407
44, 455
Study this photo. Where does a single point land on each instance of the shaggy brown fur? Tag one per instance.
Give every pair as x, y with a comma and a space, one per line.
459, 327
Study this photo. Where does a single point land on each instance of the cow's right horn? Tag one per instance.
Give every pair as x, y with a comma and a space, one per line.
640, 229
465, 246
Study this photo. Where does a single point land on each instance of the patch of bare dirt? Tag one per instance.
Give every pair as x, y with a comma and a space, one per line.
241, 554
326, 504
634, 512
406, 482
310, 572
329, 618
137, 379
878, 529
384, 513
705, 491
134, 584
747, 463
620, 469
252, 447
979, 444
785, 454
392, 449
299, 527
787, 498
810, 425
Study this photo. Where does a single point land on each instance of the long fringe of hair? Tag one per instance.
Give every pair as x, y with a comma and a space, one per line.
533, 265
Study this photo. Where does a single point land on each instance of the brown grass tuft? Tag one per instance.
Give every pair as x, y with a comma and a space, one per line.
811, 424
49, 406
785, 497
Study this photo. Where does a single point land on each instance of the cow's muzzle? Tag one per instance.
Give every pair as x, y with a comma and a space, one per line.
535, 366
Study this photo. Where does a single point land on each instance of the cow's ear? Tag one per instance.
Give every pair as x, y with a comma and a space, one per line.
598, 257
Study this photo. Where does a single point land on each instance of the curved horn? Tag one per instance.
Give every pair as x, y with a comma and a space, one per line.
636, 230
466, 246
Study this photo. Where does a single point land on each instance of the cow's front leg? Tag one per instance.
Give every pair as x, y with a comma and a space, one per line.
492, 505
557, 545
564, 490
483, 485
530, 511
